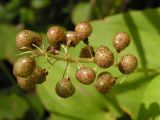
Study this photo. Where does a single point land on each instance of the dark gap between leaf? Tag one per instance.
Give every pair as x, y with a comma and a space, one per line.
136, 38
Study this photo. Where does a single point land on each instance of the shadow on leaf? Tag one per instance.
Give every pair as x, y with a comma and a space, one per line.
149, 113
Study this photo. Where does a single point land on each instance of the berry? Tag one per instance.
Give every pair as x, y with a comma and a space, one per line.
55, 35
104, 58
128, 64
54, 49
85, 75
83, 29
26, 38
40, 74
104, 82
120, 41
27, 84
72, 38
65, 88
24, 67
87, 52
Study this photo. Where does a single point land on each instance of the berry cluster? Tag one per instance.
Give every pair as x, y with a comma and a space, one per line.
28, 74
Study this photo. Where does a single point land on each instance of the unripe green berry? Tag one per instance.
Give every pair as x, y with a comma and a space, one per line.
72, 38
120, 41
40, 74
87, 52
128, 64
27, 84
83, 29
26, 38
85, 75
104, 82
104, 58
55, 35
23, 67
65, 88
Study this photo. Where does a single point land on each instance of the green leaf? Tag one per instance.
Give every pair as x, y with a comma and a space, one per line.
81, 12
131, 96
8, 48
12, 107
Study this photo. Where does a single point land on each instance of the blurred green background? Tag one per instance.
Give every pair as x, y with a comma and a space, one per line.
140, 18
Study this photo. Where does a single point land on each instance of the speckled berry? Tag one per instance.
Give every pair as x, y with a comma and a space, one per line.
27, 84
72, 38
55, 35
85, 75
104, 82
87, 52
84, 29
104, 58
26, 38
23, 67
40, 74
120, 41
65, 88
128, 64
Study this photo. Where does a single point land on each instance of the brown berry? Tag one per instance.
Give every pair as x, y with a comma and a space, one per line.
104, 58
87, 52
85, 75
128, 64
55, 35
83, 29
27, 84
120, 41
26, 38
104, 82
72, 38
65, 88
40, 74
23, 67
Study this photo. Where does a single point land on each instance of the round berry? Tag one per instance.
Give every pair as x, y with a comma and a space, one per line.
104, 58
55, 35
40, 74
72, 38
23, 67
65, 88
104, 82
128, 64
120, 41
87, 52
83, 29
26, 38
27, 84
85, 75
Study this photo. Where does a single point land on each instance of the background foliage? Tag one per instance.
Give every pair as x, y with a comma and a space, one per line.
136, 99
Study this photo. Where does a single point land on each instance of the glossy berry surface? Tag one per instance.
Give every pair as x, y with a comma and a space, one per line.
55, 35
85, 75
104, 82
104, 58
84, 29
72, 38
128, 64
23, 67
26, 38
65, 88
120, 41
27, 84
